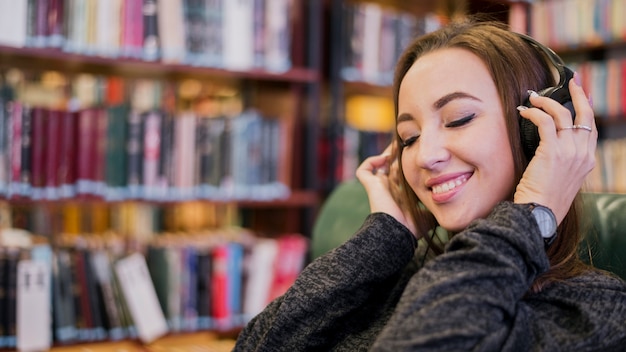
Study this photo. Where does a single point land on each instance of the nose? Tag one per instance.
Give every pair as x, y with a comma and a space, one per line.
432, 151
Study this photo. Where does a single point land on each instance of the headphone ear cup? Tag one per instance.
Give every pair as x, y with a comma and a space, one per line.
529, 133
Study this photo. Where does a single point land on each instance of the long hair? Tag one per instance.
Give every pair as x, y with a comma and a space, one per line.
515, 67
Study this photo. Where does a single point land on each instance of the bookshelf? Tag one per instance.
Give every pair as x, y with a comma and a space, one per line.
590, 37
367, 38
238, 102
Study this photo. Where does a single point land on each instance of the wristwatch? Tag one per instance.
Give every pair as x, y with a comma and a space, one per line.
546, 221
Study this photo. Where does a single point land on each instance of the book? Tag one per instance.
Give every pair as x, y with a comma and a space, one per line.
82, 307
277, 41
220, 307
214, 33
52, 158
174, 302
101, 267
94, 298
206, 159
154, 187
33, 306
25, 164
189, 285
184, 151
166, 155
151, 35
6, 97
132, 29
292, 250
158, 266
76, 40
13, 22
196, 31
237, 34
107, 28
9, 318
134, 154
171, 29
204, 289
116, 171
3, 295
66, 171
63, 298
86, 148
36, 23
55, 21
138, 290
39, 122
259, 268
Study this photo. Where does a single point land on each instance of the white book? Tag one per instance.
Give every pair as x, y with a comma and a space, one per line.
238, 34
108, 18
34, 323
13, 22
260, 275
371, 42
184, 154
171, 29
141, 298
277, 35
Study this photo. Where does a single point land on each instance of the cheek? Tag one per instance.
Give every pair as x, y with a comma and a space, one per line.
410, 170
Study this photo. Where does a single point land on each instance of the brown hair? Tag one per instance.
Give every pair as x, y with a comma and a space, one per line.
515, 67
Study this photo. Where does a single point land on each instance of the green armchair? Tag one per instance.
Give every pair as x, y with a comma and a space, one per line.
604, 244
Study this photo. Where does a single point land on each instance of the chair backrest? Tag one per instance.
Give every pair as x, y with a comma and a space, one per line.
340, 216
605, 238
347, 206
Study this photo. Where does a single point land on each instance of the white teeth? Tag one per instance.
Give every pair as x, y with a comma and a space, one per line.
450, 185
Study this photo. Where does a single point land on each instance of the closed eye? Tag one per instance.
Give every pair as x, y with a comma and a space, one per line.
460, 122
408, 142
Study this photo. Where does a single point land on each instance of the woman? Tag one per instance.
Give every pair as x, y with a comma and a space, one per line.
503, 281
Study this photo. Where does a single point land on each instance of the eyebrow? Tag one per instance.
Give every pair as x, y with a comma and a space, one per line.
440, 103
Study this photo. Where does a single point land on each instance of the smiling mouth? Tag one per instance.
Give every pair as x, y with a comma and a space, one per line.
450, 185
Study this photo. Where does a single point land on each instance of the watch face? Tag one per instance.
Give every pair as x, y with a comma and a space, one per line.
545, 220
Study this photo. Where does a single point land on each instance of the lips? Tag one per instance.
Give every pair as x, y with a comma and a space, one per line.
444, 187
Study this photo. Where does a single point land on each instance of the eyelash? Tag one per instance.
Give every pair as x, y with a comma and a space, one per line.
462, 121
456, 123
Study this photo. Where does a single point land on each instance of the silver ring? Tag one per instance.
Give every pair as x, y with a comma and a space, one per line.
577, 127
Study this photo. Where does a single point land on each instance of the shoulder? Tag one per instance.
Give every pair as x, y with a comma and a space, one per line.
595, 288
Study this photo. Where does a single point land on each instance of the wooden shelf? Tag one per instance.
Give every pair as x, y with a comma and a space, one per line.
56, 59
301, 198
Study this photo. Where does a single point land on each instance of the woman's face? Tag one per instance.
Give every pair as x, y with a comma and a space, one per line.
456, 154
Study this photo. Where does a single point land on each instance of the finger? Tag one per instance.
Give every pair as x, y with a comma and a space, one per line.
543, 121
374, 163
561, 116
584, 117
582, 105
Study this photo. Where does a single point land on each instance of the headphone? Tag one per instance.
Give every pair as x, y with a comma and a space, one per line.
528, 131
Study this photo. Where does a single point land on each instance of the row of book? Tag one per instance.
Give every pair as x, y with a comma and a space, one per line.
117, 150
608, 174
237, 35
605, 82
374, 37
566, 24
99, 288
140, 220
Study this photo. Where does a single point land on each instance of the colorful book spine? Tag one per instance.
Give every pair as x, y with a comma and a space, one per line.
39, 121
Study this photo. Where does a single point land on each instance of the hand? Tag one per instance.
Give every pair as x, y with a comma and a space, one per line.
565, 155
380, 176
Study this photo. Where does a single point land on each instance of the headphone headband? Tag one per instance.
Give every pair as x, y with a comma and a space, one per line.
554, 59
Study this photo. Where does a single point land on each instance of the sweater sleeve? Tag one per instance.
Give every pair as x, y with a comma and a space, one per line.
331, 288
469, 297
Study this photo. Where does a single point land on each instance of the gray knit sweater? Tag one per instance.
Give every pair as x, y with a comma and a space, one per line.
370, 294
